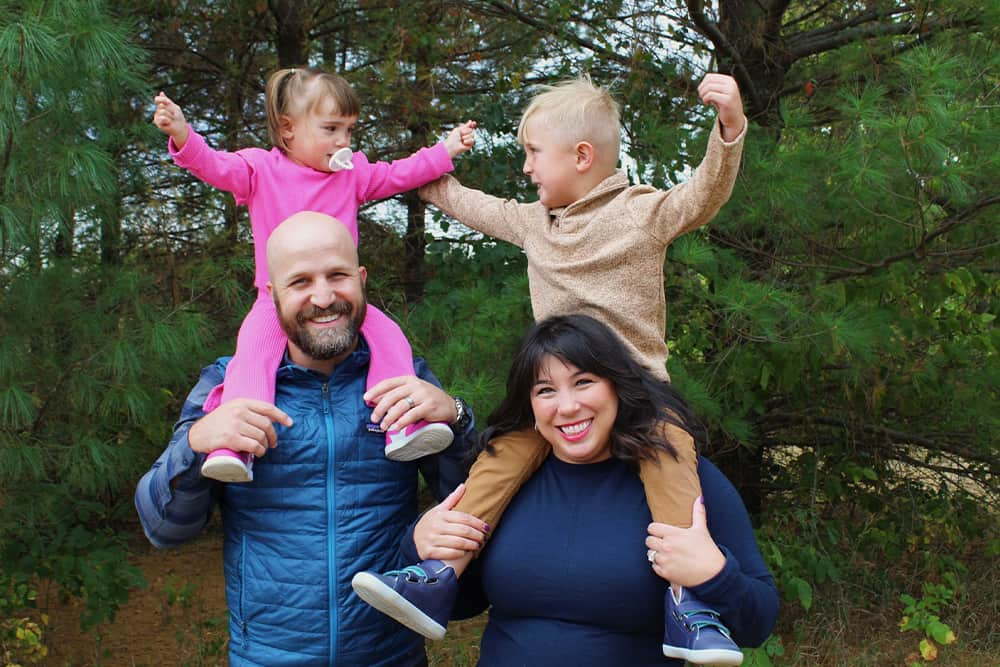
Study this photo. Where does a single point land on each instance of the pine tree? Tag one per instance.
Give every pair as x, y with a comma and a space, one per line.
90, 342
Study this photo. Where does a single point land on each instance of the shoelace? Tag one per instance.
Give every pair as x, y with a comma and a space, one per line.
710, 622
413, 573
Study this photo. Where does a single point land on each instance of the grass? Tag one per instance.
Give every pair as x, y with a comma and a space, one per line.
460, 647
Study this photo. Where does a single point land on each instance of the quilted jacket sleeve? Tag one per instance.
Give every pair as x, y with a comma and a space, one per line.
173, 500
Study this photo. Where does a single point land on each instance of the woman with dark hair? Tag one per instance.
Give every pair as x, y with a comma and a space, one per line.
645, 403
576, 574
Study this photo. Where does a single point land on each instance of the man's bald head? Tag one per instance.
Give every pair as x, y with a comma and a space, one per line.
318, 288
304, 234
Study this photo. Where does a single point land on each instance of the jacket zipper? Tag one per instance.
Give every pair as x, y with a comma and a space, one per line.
243, 588
331, 520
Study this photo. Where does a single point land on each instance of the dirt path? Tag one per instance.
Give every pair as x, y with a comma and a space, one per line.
180, 619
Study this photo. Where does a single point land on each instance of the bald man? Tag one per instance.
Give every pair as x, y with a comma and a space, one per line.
325, 502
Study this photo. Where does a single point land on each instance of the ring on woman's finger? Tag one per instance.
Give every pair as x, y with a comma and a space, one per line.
651, 555
409, 401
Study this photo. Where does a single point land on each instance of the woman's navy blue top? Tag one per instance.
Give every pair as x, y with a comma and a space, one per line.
567, 581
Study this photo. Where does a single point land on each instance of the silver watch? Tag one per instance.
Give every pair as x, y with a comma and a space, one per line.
463, 416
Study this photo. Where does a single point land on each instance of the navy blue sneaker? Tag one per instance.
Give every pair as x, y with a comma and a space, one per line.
694, 633
419, 596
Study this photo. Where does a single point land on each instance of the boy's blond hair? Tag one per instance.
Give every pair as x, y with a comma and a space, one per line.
579, 111
298, 90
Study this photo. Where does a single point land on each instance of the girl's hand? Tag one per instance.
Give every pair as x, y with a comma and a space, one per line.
445, 534
685, 556
170, 119
461, 139
723, 93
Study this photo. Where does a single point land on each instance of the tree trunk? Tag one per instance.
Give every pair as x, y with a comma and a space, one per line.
111, 232
62, 246
415, 243
292, 38
749, 45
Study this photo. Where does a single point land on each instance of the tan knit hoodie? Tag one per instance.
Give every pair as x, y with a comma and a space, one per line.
603, 254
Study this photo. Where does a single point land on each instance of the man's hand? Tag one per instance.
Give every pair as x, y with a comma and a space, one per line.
170, 119
461, 139
243, 425
722, 92
404, 400
685, 556
445, 534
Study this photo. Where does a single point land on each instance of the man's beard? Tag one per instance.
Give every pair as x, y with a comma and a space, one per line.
326, 343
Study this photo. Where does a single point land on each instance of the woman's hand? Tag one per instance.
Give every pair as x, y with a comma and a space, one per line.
444, 534
685, 556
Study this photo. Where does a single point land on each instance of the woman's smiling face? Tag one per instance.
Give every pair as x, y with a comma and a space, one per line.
574, 411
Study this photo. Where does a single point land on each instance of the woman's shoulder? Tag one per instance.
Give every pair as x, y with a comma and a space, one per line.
715, 484
706, 467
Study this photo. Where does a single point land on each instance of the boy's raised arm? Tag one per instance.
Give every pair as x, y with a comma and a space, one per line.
504, 219
694, 203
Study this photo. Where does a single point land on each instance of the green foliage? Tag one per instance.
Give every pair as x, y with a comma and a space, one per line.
22, 638
21, 641
844, 302
464, 326
765, 655
66, 64
800, 555
94, 351
923, 616
91, 365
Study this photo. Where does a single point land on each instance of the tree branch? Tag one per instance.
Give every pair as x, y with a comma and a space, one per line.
776, 9
919, 249
573, 38
730, 241
894, 436
708, 28
829, 38
815, 11
553, 29
871, 16
833, 78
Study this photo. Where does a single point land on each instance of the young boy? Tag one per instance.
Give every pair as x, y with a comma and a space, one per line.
595, 245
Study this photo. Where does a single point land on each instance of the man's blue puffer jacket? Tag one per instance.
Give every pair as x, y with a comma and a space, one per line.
323, 505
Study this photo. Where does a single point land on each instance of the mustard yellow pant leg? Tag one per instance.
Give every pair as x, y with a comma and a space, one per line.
672, 484
495, 478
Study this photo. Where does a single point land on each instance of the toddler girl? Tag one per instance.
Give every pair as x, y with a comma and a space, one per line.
311, 116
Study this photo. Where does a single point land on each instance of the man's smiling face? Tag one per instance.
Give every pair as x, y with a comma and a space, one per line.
318, 289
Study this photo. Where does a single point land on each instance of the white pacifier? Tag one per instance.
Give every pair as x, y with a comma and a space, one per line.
342, 160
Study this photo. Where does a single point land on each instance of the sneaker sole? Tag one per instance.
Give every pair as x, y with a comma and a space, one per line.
372, 590
433, 438
715, 656
226, 469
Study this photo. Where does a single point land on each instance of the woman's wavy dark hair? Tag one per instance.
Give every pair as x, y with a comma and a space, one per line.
645, 402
